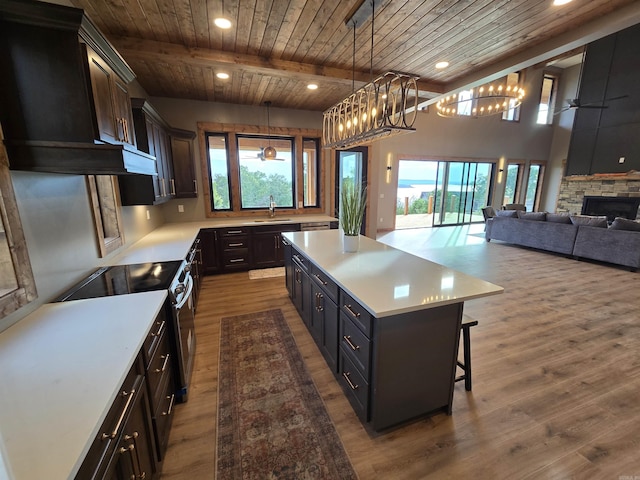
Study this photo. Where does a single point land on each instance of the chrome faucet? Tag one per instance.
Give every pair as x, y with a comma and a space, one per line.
272, 207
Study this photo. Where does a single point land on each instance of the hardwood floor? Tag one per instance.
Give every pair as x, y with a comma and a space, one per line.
556, 373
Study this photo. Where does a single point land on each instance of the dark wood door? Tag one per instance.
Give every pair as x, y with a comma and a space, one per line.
265, 249
122, 110
102, 85
210, 255
184, 172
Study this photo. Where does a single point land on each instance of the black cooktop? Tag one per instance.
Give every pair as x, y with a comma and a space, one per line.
124, 279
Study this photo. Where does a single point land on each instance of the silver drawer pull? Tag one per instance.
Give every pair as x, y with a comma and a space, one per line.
236, 260
236, 244
348, 307
124, 412
159, 331
347, 338
346, 376
320, 280
234, 231
164, 364
168, 412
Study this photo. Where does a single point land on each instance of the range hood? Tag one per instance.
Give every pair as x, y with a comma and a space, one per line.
50, 109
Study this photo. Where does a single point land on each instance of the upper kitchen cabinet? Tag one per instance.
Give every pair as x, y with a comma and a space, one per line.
64, 105
186, 185
151, 132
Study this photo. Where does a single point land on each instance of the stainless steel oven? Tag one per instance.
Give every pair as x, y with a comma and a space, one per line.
181, 296
175, 277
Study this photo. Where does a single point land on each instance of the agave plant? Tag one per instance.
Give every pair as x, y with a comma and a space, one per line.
354, 200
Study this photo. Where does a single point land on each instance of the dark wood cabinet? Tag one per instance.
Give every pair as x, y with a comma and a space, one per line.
234, 247
152, 135
301, 287
125, 443
209, 248
266, 245
111, 102
185, 183
324, 315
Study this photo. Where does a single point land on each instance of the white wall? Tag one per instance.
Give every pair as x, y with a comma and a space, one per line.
468, 138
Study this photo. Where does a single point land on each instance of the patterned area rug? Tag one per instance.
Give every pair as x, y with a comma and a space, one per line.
272, 423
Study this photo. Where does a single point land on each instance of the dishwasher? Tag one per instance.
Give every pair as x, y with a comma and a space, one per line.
305, 227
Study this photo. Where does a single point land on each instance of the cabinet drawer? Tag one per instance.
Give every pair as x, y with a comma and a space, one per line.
153, 337
234, 243
356, 312
355, 344
163, 415
233, 231
325, 282
101, 452
236, 258
158, 368
354, 385
300, 259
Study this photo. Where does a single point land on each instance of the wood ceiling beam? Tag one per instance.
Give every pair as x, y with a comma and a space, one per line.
163, 52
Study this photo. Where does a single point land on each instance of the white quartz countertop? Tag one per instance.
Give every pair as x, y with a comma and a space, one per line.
173, 240
387, 281
60, 370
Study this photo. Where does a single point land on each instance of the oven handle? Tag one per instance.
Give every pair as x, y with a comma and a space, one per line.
188, 283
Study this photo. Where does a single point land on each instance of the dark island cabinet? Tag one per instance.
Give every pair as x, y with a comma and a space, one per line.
391, 369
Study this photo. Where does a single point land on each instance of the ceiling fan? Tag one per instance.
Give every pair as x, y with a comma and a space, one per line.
575, 103
267, 153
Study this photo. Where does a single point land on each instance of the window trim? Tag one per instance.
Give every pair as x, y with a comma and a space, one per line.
517, 110
234, 174
318, 183
552, 97
208, 169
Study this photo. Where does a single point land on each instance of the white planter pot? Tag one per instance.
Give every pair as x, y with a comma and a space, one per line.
351, 243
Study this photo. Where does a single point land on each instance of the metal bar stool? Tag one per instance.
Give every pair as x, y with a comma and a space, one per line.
467, 323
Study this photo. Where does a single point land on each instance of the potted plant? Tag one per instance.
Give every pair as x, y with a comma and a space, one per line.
353, 202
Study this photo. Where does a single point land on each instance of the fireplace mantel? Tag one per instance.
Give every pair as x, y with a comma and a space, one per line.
630, 175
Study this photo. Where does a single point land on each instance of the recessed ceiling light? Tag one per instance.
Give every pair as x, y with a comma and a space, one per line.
222, 75
222, 22
442, 64
312, 86
560, 2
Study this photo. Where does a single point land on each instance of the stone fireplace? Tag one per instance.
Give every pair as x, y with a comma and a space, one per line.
573, 189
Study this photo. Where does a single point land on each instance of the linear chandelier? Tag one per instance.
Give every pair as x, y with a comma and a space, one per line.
385, 107
481, 102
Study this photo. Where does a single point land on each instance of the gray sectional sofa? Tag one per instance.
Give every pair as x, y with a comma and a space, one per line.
618, 244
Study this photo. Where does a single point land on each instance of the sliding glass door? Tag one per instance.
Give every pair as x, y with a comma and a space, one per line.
351, 167
436, 193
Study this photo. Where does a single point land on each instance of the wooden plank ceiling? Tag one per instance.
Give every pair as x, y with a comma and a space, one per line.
276, 47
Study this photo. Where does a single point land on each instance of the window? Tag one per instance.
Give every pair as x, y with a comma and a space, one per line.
465, 102
241, 180
259, 178
218, 166
310, 171
512, 183
513, 114
534, 186
547, 97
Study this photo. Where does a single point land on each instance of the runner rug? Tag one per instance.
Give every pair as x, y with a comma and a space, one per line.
272, 423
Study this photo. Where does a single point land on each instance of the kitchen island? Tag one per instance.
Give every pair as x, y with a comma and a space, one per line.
387, 322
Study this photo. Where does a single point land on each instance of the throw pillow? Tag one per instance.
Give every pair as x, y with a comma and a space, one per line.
558, 218
507, 213
536, 216
589, 220
625, 224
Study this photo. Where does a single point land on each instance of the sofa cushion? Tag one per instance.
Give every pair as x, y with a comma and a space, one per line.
507, 213
558, 217
625, 224
589, 220
536, 216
